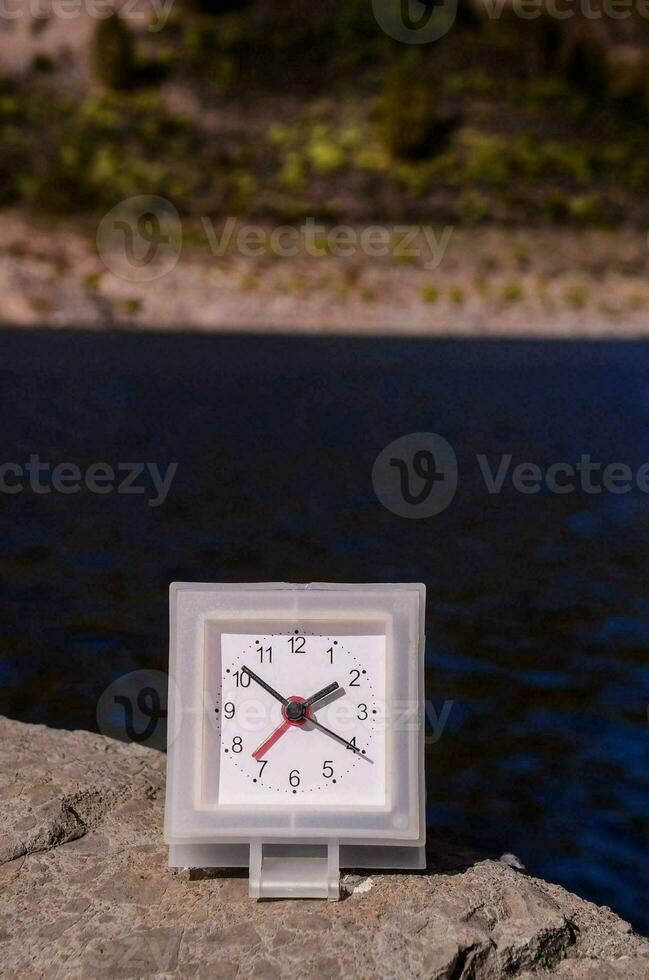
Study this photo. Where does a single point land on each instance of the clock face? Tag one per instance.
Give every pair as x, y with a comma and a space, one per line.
259, 749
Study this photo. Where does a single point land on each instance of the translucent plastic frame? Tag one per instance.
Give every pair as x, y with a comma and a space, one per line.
191, 824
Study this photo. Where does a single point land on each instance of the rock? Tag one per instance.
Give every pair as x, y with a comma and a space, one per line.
512, 861
85, 892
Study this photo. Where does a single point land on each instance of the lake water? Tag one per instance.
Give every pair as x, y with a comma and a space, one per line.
538, 610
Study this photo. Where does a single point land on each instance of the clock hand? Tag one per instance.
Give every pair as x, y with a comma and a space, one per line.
293, 714
321, 694
272, 738
339, 738
265, 686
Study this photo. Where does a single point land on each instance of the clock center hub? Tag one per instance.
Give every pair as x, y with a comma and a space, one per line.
295, 710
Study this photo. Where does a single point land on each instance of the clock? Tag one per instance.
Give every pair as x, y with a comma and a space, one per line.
296, 731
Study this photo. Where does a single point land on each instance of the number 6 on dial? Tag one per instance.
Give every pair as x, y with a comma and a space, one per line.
296, 731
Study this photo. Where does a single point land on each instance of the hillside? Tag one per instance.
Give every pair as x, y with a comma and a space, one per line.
305, 109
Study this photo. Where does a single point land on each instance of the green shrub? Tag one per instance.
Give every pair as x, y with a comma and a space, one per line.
429, 293
587, 209
409, 121
636, 301
62, 155
114, 54
130, 306
512, 292
487, 158
472, 207
576, 296
91, 282
212, 50
324, 151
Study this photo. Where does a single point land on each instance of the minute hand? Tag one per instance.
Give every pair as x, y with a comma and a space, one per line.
328, 731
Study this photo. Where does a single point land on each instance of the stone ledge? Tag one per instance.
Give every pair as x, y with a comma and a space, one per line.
85, 892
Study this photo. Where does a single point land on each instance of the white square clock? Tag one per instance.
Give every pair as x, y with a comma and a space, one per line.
296, 731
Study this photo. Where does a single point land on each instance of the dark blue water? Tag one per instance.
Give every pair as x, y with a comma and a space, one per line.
538, 608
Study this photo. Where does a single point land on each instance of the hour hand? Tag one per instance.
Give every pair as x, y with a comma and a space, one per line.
319, 695
265, 686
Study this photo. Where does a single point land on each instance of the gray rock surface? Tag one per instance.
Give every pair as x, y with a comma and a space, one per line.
85, 892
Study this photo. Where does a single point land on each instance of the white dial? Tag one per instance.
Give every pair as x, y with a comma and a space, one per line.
274, 742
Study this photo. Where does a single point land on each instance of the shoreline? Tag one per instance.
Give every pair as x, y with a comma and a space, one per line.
489, 282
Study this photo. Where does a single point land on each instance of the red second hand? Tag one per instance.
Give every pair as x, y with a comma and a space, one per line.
279, 731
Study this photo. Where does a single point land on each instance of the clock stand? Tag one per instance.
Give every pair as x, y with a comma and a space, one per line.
295, 869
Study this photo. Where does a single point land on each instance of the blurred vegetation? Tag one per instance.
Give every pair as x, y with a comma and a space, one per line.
114, 54
310, 109
411, 125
